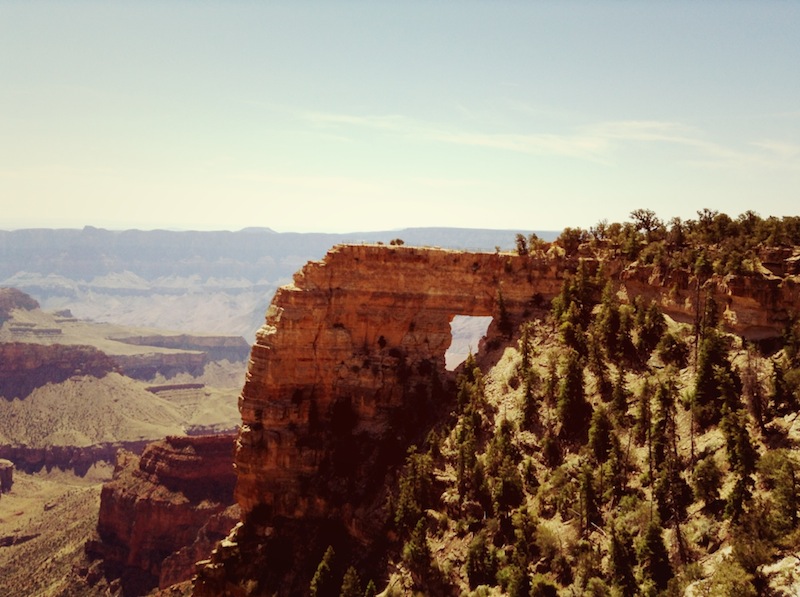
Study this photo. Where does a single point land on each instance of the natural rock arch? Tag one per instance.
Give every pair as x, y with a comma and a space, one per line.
357, 331
363, 327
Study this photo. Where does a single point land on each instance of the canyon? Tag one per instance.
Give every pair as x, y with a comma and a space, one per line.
347, 373
162, 511
192, 281
350, 364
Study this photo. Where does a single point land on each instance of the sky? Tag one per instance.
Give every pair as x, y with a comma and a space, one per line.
342, 116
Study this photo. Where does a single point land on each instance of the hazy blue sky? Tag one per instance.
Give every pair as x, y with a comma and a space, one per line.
344, 116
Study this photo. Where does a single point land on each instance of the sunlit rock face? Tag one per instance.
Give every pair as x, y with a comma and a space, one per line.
754, 307
162, 511
352, 355
345, 346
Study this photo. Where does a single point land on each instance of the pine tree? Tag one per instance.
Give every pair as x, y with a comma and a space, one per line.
322, 584
619, 395
351, 584
481, 564
713, 370
371, 589
416, 490
590, 510
600, 432
573, 409
621, 561
652, 555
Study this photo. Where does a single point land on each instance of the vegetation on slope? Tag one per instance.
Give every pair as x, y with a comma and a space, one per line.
611, 450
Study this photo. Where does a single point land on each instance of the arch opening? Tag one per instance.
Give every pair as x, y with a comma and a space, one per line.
466, 332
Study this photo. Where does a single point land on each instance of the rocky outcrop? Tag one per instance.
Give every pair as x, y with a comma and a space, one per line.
11, 298
78, 459
352, 354
754, 307
346, 345
25, 366
6, 475
218, 348
167, 504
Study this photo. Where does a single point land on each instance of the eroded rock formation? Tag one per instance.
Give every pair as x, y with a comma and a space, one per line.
78, 459
170, 504
232, 348
6, 475
11, 298
353, 351
754, 307
347, 344
25, 366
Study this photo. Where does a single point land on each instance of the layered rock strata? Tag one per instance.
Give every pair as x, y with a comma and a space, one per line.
25, 366
78, 459
347, 350
232, 348
347, 343
167, 505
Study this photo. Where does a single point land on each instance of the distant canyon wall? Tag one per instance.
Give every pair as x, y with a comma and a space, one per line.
193, 281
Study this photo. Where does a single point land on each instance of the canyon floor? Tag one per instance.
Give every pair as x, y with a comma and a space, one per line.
44, 523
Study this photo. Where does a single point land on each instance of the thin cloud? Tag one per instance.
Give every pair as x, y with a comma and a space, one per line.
780, 149
576, 146
598, 143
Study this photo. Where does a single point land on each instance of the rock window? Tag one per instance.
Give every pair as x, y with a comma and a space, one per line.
466, 332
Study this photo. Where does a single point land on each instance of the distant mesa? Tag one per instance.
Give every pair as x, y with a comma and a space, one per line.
11, 298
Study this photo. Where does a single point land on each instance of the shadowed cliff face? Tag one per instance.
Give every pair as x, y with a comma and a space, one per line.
25, 367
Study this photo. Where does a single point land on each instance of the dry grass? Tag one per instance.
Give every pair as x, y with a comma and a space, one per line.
56, 512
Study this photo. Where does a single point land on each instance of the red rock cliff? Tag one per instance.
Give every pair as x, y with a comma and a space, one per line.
161, 503
358, 335
352, 333
344, 345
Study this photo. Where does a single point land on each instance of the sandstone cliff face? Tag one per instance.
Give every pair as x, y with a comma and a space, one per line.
754, 307
78, 459
158, 504
232, 348
353, 348
344, 347
25, 367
